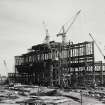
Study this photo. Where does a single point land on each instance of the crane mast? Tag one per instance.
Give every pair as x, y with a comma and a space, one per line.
47, 37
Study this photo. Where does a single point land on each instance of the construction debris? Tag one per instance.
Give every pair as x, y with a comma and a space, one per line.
61, 97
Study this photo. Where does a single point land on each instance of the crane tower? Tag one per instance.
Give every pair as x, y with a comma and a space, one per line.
63, 34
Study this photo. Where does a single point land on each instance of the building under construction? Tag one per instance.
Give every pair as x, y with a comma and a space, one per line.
61, 65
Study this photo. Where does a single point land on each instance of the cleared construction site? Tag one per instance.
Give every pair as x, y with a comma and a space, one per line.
57, 73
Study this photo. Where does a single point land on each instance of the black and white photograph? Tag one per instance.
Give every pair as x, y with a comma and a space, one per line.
52, 52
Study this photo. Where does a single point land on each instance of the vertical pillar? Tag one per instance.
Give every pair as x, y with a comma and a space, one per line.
101, 67
51, 75
85, 68
78, 63
93, 66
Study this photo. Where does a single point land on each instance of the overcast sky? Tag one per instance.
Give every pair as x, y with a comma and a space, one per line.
21, 25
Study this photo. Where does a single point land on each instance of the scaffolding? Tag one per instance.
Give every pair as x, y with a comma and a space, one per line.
58, 64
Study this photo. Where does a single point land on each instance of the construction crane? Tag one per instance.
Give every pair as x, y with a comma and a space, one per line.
63, 34
97, 46
47, 37
5, 65
100, 53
